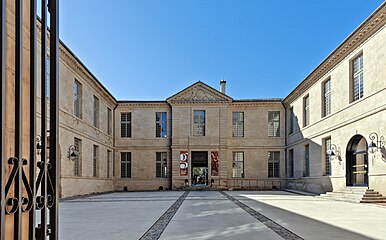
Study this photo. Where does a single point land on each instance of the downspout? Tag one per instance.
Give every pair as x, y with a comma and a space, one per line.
285, 143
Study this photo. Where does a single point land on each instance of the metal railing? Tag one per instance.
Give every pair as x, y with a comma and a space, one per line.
29, 194
255, 183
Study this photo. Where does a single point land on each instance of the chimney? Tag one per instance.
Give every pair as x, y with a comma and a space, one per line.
222, 85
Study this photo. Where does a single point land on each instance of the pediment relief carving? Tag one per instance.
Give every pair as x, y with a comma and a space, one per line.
199, 92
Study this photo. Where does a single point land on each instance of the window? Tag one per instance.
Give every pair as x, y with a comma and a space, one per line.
274, 124
199, 123
238, 124
96, 112
126, 125
95, 161
292, 120
273, 164
291, 163
109, 117
78, 158
77, 99
327, 157
306, 111
307, 160
125, 165
357, 69
326, 97
161, 167
160, 124
108, 163
238, 165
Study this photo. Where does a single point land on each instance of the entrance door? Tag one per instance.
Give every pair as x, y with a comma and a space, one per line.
199, 168
356, 162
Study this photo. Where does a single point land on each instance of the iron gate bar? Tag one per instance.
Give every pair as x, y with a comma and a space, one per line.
18, 113
54, 170
32, 155
2, 120
43, 133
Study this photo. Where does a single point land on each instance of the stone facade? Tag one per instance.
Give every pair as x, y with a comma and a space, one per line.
218, 107
349, 118
263, 161
82, 128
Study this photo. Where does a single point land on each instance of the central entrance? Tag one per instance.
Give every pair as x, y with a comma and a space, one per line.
199, 168
356, 162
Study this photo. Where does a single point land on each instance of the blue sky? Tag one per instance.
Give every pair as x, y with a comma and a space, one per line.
151, 49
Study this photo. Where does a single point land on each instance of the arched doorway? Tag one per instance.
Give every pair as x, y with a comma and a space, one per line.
356, 162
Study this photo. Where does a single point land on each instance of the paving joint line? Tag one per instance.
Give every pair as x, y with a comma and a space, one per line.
156, 230
277, 228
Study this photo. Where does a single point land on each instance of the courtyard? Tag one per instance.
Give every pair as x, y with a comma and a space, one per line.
218, 215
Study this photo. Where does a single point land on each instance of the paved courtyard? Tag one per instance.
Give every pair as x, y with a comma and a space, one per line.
218, 215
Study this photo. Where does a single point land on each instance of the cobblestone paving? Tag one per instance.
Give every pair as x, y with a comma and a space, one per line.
280, 230
159, 226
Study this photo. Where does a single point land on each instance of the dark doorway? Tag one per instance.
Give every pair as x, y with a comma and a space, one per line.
357, 162
199, 168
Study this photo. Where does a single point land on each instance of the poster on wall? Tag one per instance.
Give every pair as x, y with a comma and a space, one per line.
184, 163
215, 163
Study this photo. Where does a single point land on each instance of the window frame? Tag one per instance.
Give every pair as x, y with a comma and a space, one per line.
291, 172
307, 160
78, 99
273, 164
326, 97
109, 121
238, 125
95, 158
127, 124
161, 123
126, 161
354, 74
306, 110
327, 157
78, 158
95, 111
291, 121
271, 122
199, 127
108, 163
162, 160
236, 161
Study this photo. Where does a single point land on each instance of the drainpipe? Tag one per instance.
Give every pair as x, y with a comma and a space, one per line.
285, 141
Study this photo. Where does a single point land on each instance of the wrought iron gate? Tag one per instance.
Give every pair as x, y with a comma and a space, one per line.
29, 182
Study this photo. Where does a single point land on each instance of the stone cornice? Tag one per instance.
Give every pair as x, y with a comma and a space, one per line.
144, 104
70, 59
249, 103
372, 24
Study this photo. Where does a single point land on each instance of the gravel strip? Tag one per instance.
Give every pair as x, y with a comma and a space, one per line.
159, 226
280, 230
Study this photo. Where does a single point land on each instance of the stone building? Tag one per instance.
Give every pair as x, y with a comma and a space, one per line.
199, 136
316, 139
341, 105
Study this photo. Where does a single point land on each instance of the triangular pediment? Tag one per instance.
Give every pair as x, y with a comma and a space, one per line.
199, 92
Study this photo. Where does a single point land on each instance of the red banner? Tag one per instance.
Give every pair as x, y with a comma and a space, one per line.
184, 163
215, 163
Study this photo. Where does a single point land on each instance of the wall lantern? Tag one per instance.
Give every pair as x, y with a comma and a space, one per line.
38, 144
376, 142
72, 153
334, 152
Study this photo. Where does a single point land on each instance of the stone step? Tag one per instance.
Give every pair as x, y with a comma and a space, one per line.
355, 194
374, 198
373, 201
372, 195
